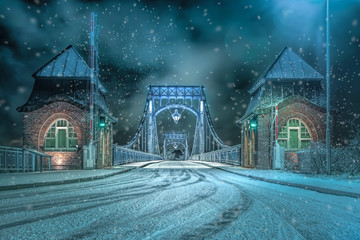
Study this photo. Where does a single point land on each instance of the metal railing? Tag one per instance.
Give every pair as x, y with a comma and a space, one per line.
122, 155
22, 160
229, 155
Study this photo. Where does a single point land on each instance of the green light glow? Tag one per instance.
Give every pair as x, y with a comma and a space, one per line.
102, 123
253, 123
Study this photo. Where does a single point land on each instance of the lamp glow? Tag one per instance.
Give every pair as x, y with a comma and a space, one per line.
102, 123
176, 116
253, 123
150, 107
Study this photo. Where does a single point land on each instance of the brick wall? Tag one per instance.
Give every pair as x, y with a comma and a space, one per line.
65, 160
263, 142
37, 123
294, 107
312, 116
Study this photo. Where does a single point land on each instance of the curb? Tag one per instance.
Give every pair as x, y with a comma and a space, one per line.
76, 180
147, 164
297, 185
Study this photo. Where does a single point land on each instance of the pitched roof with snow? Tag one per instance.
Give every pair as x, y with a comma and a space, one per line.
288, 67
65, 78
67, 63
254, 102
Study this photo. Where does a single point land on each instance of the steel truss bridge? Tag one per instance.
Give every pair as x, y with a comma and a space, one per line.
174, 98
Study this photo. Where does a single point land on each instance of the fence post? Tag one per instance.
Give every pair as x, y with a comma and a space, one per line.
49, 163
23, 160
17, 161
5, 163
113, 156
33, 162
1, 159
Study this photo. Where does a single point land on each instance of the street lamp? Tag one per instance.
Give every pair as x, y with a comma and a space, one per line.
176, 116
306, 6
328, 149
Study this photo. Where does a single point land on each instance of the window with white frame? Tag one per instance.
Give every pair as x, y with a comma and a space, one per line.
61, 136
294, 135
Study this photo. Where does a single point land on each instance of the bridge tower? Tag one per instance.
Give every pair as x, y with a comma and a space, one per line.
151, 125
174, 99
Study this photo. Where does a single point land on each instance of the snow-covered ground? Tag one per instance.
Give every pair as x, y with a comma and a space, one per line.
342, 183
176, 200
13, 179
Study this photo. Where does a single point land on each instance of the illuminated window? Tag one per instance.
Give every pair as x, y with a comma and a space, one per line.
61, 136
294, 135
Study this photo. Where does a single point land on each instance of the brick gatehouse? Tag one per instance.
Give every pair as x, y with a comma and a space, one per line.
296, 89
57, 117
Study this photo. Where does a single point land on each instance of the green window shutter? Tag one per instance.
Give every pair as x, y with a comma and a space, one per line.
305, 143
283, 143
294, 139
73, 143
61, 138
283, 132
61, 123
50, 143
294, 123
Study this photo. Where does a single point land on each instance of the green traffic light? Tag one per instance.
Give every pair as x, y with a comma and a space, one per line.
253, 123
102, 122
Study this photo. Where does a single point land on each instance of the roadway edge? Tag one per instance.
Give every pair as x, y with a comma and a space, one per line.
289, 184
69, 181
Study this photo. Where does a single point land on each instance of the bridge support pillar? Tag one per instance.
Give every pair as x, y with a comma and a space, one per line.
201, 129
150, 129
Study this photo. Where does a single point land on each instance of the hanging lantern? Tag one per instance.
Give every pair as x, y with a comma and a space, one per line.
176, 116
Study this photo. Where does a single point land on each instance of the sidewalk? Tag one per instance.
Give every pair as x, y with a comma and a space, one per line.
11, 181
336, 185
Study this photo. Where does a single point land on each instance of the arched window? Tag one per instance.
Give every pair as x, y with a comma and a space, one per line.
61, 136
294, 135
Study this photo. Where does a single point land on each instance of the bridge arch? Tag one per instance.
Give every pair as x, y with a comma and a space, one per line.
176, 106
163, 97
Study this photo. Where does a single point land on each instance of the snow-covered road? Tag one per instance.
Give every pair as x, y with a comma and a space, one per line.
176, 200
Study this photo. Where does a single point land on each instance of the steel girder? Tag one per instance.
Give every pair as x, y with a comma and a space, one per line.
162, 97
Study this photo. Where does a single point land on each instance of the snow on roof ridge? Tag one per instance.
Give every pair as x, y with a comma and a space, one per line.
293, 67
68, 63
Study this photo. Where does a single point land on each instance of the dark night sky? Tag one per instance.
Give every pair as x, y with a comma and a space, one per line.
224, 45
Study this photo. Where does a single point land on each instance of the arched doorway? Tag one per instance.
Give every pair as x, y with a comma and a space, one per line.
61, 136
294, 135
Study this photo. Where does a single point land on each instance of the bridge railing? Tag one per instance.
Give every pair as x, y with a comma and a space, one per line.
122, 155
229, 155
23, 160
